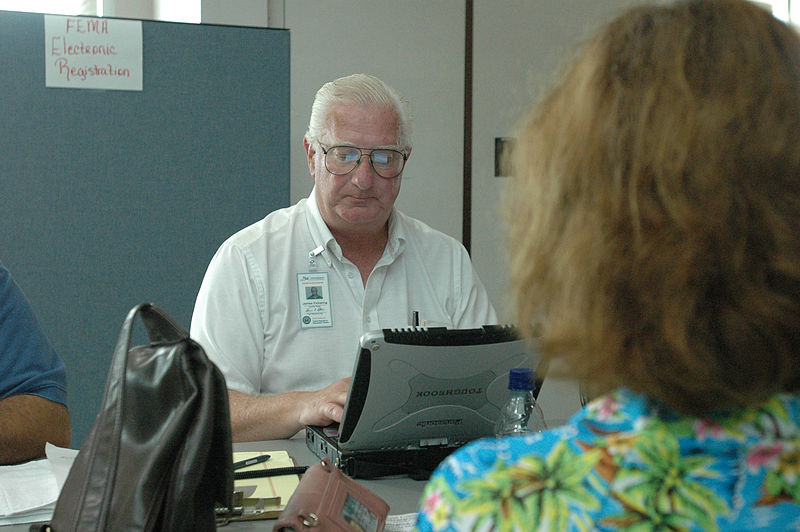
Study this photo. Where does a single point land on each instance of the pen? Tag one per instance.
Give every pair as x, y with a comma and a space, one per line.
274, 472
250, 461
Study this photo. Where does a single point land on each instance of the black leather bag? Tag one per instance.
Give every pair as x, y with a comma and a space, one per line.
159, 454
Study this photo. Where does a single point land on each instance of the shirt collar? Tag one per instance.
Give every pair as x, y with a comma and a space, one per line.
397, 235
316, 225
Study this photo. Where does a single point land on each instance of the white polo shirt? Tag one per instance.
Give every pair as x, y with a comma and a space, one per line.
259, 321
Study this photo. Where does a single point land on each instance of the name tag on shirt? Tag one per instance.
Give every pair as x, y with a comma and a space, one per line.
313, 294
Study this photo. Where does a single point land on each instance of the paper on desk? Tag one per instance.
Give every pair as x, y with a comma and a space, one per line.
26, 487
400, 522
61, 461
266, 497
28, 492
273, 489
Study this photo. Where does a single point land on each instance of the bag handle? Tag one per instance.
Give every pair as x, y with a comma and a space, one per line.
160, 327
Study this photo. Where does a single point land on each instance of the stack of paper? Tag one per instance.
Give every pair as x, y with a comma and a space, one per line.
28, 492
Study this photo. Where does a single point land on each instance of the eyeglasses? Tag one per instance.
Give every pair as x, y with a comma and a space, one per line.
341, 160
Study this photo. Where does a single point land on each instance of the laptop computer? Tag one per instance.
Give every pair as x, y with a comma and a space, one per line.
418, 394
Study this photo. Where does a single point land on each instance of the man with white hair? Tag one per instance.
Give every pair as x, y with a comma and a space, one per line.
287, 357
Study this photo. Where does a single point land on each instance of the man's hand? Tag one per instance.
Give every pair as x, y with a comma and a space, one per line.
327, 405
273, 417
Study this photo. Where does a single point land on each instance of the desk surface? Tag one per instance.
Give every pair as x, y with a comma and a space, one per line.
401, 493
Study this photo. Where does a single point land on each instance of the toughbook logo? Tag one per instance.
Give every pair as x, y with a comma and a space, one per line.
439, 422
452, 391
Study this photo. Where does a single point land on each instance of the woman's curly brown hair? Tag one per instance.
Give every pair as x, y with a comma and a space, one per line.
655, 218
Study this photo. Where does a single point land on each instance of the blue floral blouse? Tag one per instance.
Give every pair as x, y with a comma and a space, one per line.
624, 463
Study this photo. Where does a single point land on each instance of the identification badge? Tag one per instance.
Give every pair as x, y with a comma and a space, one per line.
313, 294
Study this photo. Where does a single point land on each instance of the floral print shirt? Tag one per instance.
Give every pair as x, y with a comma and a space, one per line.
625, 463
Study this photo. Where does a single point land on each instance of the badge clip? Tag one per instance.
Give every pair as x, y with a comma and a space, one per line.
312, 257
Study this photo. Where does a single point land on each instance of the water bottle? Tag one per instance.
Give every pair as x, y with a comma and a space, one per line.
521, 414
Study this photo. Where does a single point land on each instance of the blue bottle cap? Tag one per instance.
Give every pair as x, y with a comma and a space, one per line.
521, 379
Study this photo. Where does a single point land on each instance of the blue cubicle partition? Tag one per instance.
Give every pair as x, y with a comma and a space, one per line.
111, 198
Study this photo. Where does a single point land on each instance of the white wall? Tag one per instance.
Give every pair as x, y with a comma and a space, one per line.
236, 12
142, 9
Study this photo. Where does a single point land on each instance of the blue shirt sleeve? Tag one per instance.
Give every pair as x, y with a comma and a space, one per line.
28, 363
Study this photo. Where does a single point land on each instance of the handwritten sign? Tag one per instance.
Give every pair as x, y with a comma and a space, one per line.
93, 53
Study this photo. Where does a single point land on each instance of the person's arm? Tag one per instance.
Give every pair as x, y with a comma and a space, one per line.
27, 422
272, 417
